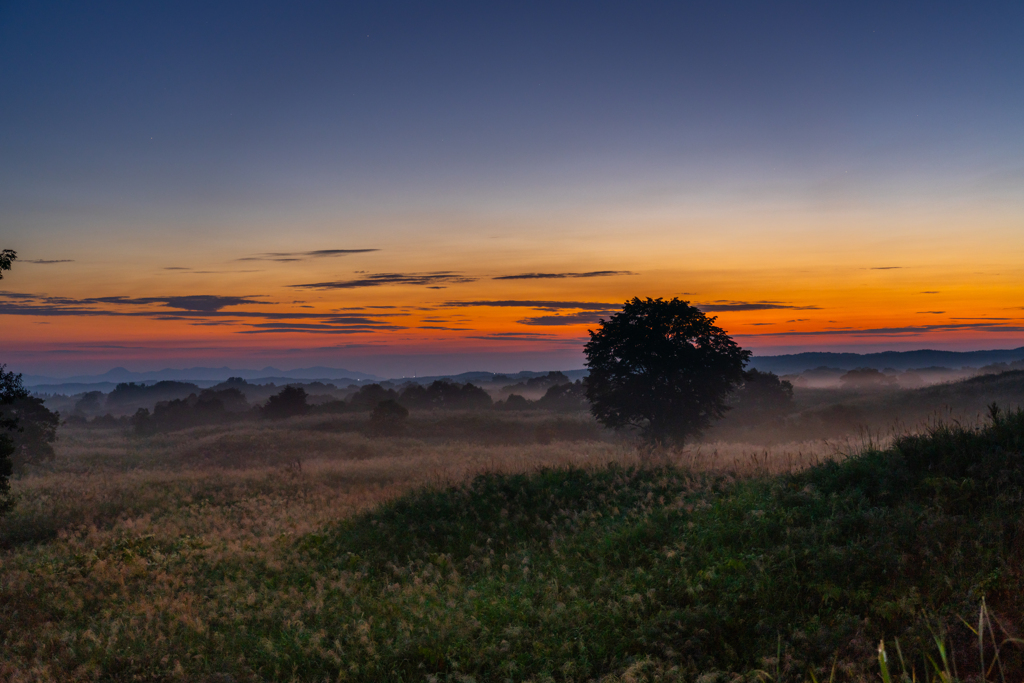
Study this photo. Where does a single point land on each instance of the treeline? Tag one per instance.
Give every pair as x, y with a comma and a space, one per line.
442, 395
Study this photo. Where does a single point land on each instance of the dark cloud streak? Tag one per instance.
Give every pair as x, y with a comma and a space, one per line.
559, 276
381, 279
727, 306
285, 257
539, 305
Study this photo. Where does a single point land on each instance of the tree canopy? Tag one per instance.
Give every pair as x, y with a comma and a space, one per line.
663, 368
289, 402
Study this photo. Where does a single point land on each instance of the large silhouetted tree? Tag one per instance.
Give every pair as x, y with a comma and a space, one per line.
662, 367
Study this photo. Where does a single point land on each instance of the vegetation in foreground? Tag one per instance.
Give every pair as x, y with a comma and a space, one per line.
562, 574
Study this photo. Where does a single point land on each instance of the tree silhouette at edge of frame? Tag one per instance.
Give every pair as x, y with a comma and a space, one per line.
7, 257
663, 368
7, 447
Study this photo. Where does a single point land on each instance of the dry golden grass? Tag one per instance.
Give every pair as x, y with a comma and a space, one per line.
105, 549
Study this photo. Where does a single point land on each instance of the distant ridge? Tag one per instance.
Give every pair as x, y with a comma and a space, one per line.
897, 360
118, 375
782, 364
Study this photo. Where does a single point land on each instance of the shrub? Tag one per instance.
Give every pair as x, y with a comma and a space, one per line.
514, 402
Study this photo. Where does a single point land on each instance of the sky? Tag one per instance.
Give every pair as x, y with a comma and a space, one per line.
425, 188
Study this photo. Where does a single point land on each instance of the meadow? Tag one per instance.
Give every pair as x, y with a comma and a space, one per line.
524, 546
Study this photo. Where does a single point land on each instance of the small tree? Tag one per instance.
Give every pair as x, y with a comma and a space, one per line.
661, 367
290, 401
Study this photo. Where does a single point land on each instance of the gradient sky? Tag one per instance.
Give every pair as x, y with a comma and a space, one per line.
419, 188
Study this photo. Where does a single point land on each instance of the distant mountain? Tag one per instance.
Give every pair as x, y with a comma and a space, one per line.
119, 374
486, 377
782, 365
897, 360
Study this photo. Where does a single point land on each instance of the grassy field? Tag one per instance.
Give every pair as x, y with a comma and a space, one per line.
507, 548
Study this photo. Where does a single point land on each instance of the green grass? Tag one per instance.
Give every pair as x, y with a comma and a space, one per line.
575, 574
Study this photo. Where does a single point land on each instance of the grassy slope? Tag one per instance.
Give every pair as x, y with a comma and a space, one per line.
832, 413
572, 574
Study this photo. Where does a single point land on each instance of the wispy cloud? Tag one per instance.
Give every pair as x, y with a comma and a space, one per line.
521, 336
886, 268
287, 256
49, 261
320, 328
196, 310
382, 279
722, 306
558, 276
539, 305
909, 330
584, 318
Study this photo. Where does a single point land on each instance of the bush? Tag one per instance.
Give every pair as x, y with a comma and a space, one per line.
514, 402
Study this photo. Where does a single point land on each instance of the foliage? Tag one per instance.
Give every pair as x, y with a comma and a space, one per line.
30, 427
7, 257
291, 401
90, 403
441, 394
662, 367
209, 407
568, 397
534, 384
369, 396
130, 395
11, 390
514, 402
